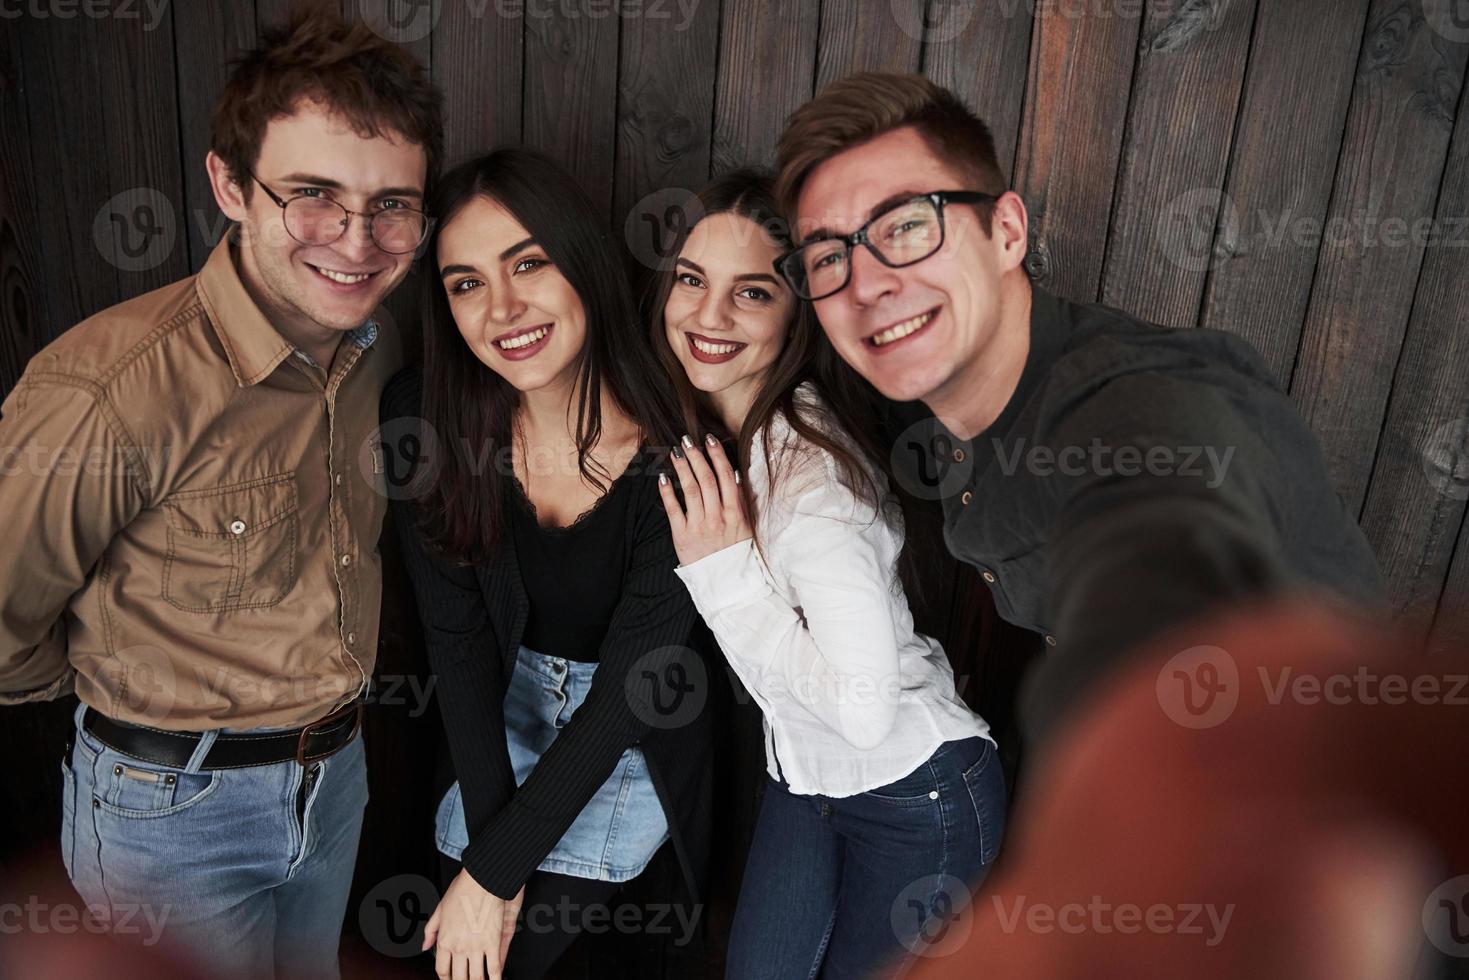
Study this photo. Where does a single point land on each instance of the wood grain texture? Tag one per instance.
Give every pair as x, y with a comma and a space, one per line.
477, 64
867, 35
1415, 503
208, 34
665, 107
23, 303
767, 62
980, 52
1392, 159
1080, 71
1263, 254
1175, 150
570, 107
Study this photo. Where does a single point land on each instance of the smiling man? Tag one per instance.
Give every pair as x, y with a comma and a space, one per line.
1109, 477
209, 582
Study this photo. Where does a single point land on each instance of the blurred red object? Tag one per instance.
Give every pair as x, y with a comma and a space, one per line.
1310, 824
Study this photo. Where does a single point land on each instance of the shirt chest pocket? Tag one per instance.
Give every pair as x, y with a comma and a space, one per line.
231, 547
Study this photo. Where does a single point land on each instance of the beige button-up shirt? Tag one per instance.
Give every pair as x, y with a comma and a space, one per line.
191, 510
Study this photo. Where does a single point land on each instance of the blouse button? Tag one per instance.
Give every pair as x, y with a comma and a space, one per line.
958, 455
237, 526
965, 497
1050, 640
988, 577
346, 560
351, 638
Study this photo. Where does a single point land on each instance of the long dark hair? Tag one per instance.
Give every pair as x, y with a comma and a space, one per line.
848, 408
469, 407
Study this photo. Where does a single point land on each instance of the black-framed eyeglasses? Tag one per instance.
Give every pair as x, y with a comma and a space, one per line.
906, 232
321, 221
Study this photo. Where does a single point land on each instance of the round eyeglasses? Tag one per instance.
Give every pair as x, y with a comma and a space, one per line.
906, 232
321, 221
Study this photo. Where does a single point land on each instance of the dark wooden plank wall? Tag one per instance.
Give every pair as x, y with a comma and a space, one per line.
1234, 164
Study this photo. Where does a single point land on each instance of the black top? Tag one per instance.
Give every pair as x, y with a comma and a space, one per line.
656, 684
572, 588
1138, 475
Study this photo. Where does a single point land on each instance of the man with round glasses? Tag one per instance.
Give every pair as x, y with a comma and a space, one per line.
209, 583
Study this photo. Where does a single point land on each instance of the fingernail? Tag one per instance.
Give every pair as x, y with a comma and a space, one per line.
688, 443
709, 438
663, 479
677, 453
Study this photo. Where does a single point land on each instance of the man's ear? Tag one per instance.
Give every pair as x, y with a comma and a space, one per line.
1009, 228
227, 194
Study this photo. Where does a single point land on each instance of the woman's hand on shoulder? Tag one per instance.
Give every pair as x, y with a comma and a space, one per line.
712, 516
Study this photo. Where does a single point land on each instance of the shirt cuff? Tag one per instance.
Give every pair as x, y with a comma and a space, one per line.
60, 687
729, 578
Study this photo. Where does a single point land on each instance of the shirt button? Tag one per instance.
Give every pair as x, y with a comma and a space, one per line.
988, 577
351, 638
958, 455
237, 526
346, 560
1050, 640
339, 479
965, 497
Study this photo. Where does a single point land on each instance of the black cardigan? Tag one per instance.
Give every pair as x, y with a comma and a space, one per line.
654, 686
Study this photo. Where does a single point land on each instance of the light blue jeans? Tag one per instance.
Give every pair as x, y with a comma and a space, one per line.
214, 865
616, 833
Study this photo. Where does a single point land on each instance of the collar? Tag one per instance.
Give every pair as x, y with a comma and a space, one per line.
254, 347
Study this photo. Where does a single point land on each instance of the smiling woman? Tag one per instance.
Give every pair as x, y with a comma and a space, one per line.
547, 592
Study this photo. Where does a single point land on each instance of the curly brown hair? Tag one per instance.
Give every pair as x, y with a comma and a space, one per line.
370, 82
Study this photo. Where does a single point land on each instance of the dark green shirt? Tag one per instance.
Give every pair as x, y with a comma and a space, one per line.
1138, 476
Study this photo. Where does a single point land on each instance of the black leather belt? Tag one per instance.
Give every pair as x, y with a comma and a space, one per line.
308, 744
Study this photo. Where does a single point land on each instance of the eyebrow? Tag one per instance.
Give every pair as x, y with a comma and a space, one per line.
520, 246
872, 212
314, 180
746, 277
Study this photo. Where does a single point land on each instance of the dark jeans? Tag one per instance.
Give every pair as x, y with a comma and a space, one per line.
845, 887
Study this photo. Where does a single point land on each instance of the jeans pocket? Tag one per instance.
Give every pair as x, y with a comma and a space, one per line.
986, 784
68, 815
136, 789
918, 787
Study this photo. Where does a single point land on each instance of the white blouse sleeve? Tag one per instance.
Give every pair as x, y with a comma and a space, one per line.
835, 654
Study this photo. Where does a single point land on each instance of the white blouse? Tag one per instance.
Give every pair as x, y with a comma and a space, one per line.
820, 632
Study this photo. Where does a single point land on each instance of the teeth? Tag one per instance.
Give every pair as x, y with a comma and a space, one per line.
524, 340
900, 330
714, 348
342, 277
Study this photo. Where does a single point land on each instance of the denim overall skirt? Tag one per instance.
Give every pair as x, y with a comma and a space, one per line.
622, 825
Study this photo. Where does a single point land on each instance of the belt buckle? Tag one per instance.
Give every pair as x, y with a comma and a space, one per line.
355, 706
